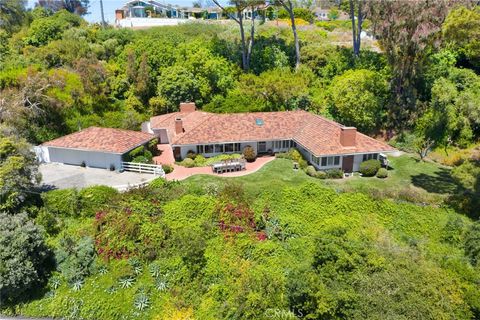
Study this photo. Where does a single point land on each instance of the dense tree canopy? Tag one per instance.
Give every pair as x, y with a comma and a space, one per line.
25, 259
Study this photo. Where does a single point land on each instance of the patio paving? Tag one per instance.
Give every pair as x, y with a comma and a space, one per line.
181, 173
166, 156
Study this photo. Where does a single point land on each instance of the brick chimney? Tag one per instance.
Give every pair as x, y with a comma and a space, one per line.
348, 136
178, 126
187, 107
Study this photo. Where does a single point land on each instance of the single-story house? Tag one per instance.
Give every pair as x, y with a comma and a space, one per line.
324, 143
95, 147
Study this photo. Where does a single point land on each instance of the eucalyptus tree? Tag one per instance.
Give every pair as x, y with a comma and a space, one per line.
406, 31
237, 14
288, 5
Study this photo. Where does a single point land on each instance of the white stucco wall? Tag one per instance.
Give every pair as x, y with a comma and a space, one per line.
357, 159
93, 159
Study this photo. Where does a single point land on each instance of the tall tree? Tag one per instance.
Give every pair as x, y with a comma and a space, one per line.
11, 14
357, 15
406, 29
288, 6
79, 7
239, 7
18, 172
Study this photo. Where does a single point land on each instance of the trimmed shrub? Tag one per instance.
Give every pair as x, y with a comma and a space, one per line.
152, 146
321, 175
167, 168
334, 174
64, 202
191, 154
92, 199
200, 160
188, 163
141, 159
158, 182
249, 154
148, 155
311, 171
382, 173
369, 168
295, 155
138, 151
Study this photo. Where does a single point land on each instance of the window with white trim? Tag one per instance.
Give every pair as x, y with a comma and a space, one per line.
370, 156
330, 161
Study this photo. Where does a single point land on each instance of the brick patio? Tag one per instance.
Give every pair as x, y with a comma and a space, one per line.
181, 173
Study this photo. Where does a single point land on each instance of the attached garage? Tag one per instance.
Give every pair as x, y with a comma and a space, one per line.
96, 147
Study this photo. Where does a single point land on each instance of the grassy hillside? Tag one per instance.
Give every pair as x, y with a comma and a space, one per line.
276, 242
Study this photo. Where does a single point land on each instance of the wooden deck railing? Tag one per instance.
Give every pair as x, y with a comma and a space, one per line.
144, 168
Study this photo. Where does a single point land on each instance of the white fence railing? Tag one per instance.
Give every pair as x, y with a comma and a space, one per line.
143, 168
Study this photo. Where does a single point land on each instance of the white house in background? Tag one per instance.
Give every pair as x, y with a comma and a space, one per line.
94, 147
324, 143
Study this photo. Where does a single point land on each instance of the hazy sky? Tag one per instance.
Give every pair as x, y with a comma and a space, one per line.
109, 7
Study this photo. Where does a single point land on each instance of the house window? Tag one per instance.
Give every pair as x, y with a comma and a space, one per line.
236, 147
229, 147
286, 144
262, 146
370, 156
219, 148
330, 161
200, 149
277, 144
209, 148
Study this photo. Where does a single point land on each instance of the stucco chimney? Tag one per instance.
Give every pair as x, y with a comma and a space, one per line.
348, 136
187, 107
178, 126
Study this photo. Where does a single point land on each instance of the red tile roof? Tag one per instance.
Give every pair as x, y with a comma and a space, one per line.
102, 139
319, 135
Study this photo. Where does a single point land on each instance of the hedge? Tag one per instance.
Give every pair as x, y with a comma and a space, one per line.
369, 168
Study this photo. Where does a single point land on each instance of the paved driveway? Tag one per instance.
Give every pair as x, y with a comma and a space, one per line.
61, 176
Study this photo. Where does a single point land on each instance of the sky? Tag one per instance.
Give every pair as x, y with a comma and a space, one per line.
109, 7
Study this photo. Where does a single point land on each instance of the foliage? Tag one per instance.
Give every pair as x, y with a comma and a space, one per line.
187, 163
406, 32
300, 13
460, 33
18, 172
25, 258
63, 203
167, 168
122, 233
249, 154
295, 155
382, 173
75, 258
93, 198
334, 173
357, 98
369, 168
472, 243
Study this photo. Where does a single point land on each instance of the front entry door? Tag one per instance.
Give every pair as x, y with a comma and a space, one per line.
347, 164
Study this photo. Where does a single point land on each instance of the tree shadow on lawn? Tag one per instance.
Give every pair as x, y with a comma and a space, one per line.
439, 182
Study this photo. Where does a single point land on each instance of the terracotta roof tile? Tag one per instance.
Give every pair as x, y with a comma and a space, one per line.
321, 136
102, 139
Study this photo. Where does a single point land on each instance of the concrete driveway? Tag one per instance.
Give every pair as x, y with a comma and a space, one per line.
61, 176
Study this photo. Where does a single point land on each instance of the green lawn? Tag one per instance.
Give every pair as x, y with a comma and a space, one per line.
409, 179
